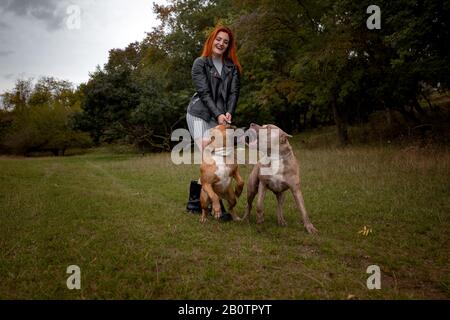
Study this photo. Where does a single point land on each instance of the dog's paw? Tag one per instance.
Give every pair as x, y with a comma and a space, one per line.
311, 229
282, 223
203, 219
245, 218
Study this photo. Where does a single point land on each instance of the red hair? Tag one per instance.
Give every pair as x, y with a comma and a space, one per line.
230, 53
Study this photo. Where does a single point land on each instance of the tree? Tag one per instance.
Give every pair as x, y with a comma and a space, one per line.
39, 118
305, 63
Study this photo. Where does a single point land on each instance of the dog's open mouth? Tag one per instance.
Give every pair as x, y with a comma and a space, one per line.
253, 144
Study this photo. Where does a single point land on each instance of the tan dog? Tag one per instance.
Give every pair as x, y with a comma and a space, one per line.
279, 173
216, 171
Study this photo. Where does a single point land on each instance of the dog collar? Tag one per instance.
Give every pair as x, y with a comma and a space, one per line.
223, 152
277, 157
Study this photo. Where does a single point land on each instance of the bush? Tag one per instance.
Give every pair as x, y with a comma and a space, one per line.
42, 128
386, 125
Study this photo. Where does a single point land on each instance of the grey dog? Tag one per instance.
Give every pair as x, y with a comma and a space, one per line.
277, 171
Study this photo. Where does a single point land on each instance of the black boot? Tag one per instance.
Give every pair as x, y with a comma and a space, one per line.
193, 205
225, 215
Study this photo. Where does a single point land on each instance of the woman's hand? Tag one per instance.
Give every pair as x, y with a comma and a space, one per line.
228, 116
222, 119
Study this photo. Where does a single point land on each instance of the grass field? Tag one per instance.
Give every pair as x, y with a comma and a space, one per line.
121, 218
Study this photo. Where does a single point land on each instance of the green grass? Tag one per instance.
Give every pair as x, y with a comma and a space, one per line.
121, 219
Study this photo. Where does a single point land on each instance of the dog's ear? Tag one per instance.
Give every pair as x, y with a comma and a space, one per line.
282, 133
284, 136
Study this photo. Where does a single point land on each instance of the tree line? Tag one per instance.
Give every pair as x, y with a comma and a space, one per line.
305, 63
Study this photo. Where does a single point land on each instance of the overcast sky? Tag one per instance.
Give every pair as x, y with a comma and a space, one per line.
46, 38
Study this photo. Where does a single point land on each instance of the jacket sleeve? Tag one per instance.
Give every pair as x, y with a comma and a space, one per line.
234, 91
200, 80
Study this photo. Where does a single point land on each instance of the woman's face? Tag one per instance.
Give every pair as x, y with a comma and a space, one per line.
220, 44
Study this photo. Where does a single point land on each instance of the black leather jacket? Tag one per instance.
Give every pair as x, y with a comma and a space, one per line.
215, 94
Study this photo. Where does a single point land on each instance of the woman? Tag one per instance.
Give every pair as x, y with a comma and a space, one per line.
216, 76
